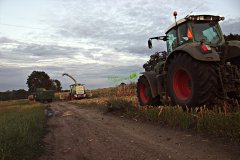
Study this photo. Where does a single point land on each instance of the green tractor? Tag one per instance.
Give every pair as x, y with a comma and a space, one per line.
199, 67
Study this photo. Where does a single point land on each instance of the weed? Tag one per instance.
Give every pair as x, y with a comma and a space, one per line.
116, 104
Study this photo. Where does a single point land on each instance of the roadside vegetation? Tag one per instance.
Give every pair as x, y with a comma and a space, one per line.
219, 121
22, 127
119, 91
15, 103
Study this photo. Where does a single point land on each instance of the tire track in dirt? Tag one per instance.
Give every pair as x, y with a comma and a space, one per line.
77, 132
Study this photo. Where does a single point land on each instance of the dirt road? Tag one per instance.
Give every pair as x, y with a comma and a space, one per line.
80, 133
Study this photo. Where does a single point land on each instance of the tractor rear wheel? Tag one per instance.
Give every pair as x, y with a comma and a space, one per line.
191, 82
144, 93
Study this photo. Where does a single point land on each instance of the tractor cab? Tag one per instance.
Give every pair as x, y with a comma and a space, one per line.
201, 29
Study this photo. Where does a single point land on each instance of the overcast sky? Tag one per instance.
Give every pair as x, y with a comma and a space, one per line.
91, 40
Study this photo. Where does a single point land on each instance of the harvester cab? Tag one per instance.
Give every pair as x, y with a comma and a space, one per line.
77, 90
198, 67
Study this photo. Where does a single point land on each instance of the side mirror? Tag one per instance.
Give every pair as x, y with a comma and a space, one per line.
165, 38
150, 44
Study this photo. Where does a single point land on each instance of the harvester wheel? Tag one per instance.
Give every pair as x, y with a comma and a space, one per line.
144, 93
191, 82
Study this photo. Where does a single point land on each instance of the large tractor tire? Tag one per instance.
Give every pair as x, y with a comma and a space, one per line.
144, 93
191, 82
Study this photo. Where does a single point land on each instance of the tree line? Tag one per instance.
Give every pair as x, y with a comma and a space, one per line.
232, 37
14, 94
37, 79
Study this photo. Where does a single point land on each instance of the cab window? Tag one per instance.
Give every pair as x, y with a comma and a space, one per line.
183, 34
206, 32
172, 40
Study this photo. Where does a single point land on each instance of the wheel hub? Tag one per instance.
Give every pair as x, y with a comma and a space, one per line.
182, 84
144, 93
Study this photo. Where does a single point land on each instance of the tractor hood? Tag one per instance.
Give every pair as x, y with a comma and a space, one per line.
233, 52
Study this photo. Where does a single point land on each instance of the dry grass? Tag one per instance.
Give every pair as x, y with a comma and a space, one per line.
61, 95
14, 102
119, 91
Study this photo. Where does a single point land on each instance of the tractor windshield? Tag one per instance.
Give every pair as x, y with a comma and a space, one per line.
207, 32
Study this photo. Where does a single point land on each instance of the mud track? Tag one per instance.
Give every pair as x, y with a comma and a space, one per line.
83, 133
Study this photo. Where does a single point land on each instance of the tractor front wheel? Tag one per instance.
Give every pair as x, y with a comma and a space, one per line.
191, 82
144, 93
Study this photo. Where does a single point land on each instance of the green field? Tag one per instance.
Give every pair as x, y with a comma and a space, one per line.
22, 127
15, 103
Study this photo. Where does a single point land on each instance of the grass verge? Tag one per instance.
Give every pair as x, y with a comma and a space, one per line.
21, 133
15, 103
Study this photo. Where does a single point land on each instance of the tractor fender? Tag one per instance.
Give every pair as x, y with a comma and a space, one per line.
233, 52
195, 51
152, 80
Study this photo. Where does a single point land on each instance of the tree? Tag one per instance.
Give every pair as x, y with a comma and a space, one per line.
40, 79
56, 85
232, 37
14, 94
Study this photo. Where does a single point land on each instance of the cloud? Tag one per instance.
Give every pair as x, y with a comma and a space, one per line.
231, 26
90, 65
4, 40
124, 26
93, 40
13, 78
